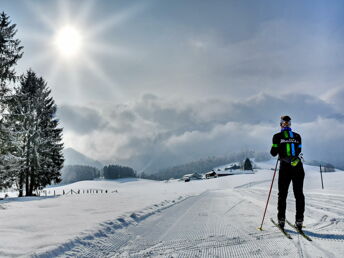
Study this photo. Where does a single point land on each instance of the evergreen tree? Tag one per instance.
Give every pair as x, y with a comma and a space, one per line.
10, 154
34, 111
10, 53
248, 164
10, 49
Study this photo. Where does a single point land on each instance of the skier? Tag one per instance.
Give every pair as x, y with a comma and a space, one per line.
287, 144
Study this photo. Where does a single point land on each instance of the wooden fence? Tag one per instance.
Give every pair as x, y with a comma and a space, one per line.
72, 191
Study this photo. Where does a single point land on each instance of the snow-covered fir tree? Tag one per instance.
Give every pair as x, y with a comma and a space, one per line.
41, 138
9, 160
11, 155
10, 53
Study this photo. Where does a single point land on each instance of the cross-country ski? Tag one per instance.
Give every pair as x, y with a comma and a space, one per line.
281, 229
302, 233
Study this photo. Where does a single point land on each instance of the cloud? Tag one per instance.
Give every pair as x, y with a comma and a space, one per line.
279, 56
82, 120
264, 108
322, 138
336, 98
155, 132
220, 140
221, 78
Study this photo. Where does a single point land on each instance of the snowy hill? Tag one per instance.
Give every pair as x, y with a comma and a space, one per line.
137, 218
73, 157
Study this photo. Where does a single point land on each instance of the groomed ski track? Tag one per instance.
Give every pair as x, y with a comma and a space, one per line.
223, 223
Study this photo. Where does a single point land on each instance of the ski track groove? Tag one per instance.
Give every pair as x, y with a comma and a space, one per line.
231, 208
300, 248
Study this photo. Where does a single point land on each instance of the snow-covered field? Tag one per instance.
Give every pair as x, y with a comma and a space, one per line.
64, 225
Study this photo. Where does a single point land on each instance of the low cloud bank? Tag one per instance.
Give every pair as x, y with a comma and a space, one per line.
155, 132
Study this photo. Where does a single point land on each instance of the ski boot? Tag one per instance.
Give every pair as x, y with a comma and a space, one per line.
281, 223
298, 224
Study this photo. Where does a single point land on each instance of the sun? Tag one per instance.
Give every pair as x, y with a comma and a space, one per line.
74, 43
68, 41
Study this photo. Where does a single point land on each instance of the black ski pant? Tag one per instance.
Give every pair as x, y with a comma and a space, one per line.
288, 174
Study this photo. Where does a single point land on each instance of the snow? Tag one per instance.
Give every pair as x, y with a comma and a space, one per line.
53, 225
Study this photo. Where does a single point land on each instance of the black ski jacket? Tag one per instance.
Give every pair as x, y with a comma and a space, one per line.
287, 144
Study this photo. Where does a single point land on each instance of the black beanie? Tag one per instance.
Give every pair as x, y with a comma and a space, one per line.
285, 118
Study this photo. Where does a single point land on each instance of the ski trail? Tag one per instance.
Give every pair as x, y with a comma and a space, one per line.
179, 219
206, 226
201, 226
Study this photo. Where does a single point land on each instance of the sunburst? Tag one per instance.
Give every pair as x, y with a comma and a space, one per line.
71, 48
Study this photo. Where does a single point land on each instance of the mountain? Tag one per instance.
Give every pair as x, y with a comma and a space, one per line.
73, 157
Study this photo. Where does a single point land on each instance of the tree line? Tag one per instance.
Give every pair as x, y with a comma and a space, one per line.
117, 171
74, 173
30, 137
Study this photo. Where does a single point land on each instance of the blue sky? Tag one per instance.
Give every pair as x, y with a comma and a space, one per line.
175, 77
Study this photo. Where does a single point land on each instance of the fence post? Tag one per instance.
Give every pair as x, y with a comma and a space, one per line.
322, 182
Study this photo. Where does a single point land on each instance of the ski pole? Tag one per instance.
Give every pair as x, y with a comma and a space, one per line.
267, 202
322, 182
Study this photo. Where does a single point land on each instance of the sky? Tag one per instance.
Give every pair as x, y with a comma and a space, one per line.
153, 84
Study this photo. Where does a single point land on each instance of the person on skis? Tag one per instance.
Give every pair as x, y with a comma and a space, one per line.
287, 144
